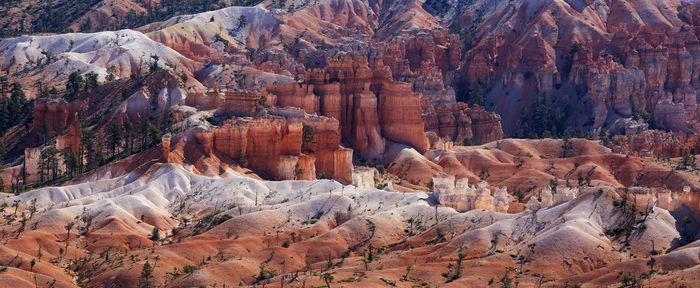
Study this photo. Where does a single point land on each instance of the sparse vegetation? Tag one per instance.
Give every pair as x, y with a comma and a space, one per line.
454, 271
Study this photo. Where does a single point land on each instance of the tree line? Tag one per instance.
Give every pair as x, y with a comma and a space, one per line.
15, 109
97, 146
96, 149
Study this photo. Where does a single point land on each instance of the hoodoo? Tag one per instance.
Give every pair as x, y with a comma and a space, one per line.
349, 143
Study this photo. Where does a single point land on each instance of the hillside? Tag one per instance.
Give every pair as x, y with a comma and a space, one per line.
349, 143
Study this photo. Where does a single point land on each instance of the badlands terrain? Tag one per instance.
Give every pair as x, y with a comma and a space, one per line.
349, 143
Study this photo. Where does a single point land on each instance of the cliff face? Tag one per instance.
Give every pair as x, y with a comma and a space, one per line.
370, 107
610, 58
457, 121
56, 118
463, 197
286, 144
426, 59
628, 56
655, 143
51, 116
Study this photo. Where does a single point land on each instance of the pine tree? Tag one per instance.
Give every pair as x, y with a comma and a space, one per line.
129, 135
308, 136
88, 145
71, 161
90, 81
154, 134
143, 132
603, 136
153, 66
115, 136
74, 85
686, 159
476, 94
567, 146
242, 21
48, 163
4, 85
3, 151
542, 114
155, 235
145, 281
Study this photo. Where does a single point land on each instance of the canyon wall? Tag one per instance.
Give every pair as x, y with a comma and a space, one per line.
655, 143
426, 58
284, 145
457, 121
632, 57
52, 116
370, 107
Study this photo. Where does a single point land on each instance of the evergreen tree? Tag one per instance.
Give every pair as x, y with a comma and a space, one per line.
308, 137
71, 161
46, 130
153, 66
4, 86
567, 148
74, 85
18, 102
88, 145
16, 110
603, 136
542, 114
242, 21
145, 281
48, 164
143, 132
476, 94
155, 235
91, 81
4, 115
687, 161
3, 151
115, 136
154, 134
129, 135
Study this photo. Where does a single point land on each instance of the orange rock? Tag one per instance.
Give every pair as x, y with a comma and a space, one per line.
368, 104
275, 145
457, 121
655, 143
53, 114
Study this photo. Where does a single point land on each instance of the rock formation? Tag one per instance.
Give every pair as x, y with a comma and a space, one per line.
463, 197
424, 58
457, 121
71, 139
363, 177
286, 144
382, 77
226, 102
546, 199
646, 198
655, 143
165, 148
564, 194
370, 106
52, 117
628, 60
31, 165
